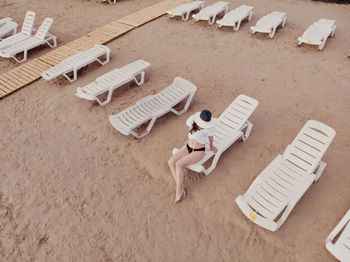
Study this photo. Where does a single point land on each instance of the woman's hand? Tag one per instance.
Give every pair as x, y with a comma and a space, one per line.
214, 149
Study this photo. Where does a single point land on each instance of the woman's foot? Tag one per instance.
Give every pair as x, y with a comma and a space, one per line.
179, 196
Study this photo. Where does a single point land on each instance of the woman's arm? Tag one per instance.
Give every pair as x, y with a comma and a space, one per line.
212, 147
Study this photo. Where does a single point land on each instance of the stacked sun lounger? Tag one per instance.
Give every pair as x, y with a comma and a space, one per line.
150, 108
275, 192
112, 80
74, 63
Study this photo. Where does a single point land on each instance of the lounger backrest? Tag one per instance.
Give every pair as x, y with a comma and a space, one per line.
44, 28
309, 146
28, 23
238, 112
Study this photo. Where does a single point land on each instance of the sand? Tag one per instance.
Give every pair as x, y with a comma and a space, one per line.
74, 189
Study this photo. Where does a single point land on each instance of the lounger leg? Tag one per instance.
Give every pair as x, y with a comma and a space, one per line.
106, 61
75, 76
237, 26
320, 169
188, 102
187, 16
148, 129
24, 57
284, 21
142, 80
272, 34
247, 132
211, 21
54, 44
321, 46
109, 98
250, 16
213, 164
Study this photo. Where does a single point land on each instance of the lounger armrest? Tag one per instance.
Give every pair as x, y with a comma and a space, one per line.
338, 227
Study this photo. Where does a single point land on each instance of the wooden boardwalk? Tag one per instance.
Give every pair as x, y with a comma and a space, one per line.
30, 71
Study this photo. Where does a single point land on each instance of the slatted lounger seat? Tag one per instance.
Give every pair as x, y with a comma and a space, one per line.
7, 26
112, 80
41, 37
25, 33
150, 108
274, 193
185, 9
235, 17
209, 13
269, 23
230, 127
341, 247
318, 33
77, 61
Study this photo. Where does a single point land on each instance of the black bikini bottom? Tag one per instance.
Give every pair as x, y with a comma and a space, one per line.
190, 149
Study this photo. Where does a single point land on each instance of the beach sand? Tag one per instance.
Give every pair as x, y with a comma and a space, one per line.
74, 189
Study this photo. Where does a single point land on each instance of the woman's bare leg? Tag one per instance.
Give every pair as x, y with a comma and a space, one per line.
192, 158
180, 154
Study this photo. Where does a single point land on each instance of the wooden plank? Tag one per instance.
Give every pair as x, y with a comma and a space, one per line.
20, 80
4, 88
8, 83
22, 70
28, 68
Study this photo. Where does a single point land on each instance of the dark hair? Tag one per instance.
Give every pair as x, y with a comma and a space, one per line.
195, 128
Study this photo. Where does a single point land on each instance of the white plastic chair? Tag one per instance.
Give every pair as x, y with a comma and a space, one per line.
26, 32
233, 124
209, 13
113, 80
318, 33
74, 63
274, 193
185, 9
341, 248
7, 26
269, 23
150, 108
41, 37
235, 17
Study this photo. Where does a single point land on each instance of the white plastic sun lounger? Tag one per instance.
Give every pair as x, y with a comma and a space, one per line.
25, 33
230, 127
235, 17
269, 23
74, 63
150, 108
185, 9
274, 193
341, 248
209, 13
112, 80
318, 33
41, 37
7, 26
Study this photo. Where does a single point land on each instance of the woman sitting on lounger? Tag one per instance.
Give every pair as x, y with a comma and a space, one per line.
202, 127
